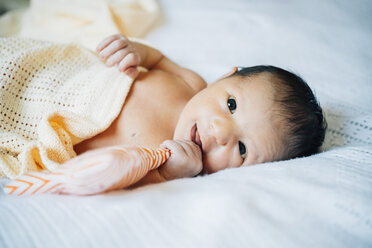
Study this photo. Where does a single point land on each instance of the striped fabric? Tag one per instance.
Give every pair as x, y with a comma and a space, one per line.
91, 173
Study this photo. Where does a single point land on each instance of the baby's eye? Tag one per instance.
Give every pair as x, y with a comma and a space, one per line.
242, 150
231, 103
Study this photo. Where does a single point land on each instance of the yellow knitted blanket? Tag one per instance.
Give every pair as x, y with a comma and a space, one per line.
52, 96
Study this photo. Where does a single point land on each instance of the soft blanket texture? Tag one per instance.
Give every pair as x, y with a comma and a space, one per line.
320, 201
94, 172
85, 22
52, 97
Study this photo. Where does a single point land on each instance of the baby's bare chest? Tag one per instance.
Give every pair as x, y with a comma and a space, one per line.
149, 115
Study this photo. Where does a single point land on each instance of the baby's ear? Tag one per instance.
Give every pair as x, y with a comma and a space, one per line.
231, 72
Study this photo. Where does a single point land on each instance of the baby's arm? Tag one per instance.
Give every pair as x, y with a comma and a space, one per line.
118, 50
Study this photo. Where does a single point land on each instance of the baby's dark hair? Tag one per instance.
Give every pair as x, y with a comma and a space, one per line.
304, 122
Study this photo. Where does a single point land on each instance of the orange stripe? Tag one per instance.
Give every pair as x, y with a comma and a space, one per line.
23, 181
51, 173
45, 182
146, 159
86, 167
43, 172
52, 187
152, 163
42, 179
162, 155
12, 187
57, 173
157, 159
166, 154
120, 149
147, 151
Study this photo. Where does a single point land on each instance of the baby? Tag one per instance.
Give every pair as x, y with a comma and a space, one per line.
249, 116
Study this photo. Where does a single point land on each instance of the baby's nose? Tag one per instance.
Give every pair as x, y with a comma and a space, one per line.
222, 130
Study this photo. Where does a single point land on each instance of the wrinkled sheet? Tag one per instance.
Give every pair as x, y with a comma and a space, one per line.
320, 201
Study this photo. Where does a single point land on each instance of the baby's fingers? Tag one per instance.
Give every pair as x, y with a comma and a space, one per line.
130, 60
173, 146
116, 57
104, 43
132, 72
113, 47
190, 147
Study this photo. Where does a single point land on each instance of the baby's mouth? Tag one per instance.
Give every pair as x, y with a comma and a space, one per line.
195, 137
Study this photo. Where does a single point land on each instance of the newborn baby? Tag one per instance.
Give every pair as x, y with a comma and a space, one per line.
249, 116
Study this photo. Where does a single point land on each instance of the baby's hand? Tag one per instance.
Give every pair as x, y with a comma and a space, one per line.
118, 50
185, 159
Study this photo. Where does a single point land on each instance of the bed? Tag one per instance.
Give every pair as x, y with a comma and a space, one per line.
319, 201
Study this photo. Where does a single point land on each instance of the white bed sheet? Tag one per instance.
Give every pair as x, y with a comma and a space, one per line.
321, 201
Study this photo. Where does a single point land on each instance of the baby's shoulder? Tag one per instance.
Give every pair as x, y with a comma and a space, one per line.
168, 71
158, 82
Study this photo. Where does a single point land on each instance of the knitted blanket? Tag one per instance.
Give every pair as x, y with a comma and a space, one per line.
51, 98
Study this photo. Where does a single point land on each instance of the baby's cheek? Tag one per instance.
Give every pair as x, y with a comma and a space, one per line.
215, 161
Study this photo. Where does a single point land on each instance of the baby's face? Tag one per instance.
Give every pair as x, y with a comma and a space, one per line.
231, 120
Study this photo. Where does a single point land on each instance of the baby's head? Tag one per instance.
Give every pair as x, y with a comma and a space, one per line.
253, 115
